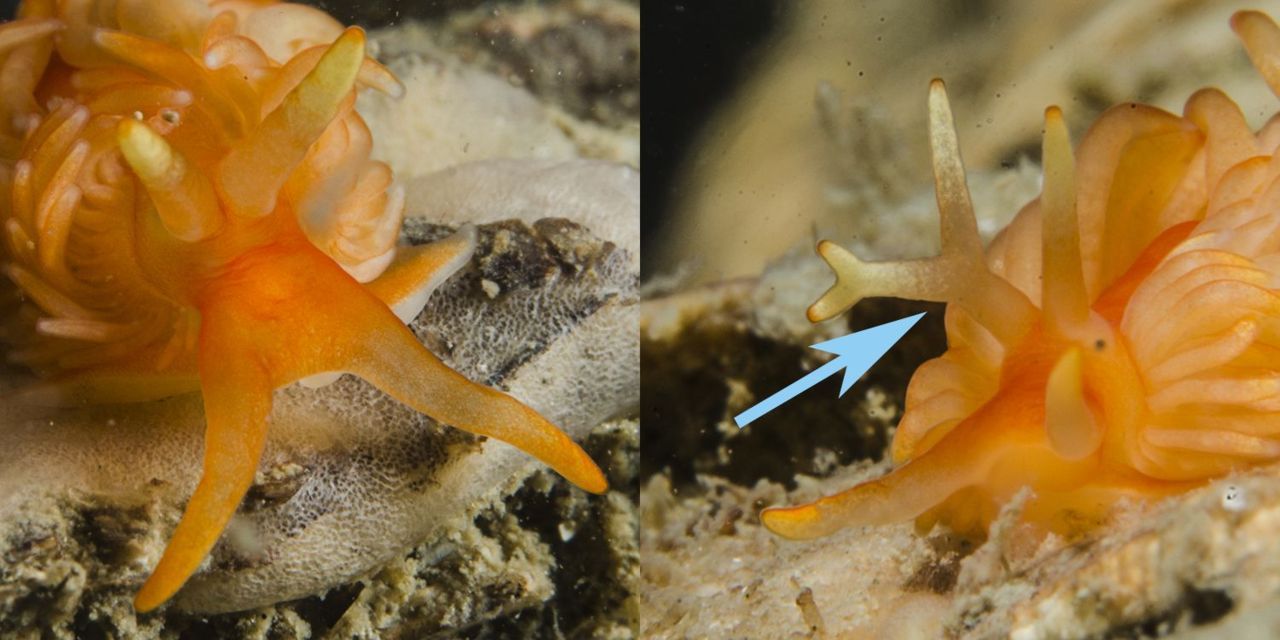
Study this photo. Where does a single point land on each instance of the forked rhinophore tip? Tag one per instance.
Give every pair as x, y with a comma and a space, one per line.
184, 199
255, 170
1261, 38
844, 293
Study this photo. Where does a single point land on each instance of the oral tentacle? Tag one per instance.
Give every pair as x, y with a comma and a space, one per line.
237, 401
905, 493
364, 337
415, 273
395, 362
407, 284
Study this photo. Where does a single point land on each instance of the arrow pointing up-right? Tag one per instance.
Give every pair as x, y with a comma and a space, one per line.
855, 353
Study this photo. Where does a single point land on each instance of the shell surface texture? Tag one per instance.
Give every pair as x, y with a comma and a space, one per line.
187, 204
1120, 338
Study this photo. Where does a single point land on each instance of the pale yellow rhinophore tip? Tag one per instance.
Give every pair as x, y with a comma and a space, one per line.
255, 170
146, 151
183, 198
313, 103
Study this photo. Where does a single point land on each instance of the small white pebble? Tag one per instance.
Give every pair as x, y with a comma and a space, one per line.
567, 531
491, 288
1233, 498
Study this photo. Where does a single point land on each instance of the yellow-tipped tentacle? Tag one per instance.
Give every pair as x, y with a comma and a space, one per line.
257, 167
184, 199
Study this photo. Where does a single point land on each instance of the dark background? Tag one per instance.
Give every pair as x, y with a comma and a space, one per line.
694, 54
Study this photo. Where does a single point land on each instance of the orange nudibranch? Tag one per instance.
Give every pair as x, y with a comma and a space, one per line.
187, 203
1119, 338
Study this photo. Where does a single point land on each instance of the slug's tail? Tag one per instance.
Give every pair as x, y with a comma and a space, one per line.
269, 327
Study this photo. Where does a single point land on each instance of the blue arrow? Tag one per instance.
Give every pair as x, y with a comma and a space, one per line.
855, 353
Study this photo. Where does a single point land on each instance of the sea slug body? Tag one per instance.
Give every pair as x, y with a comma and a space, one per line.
187, 203
1118, 338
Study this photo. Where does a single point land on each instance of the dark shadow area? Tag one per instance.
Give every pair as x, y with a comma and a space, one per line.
686, 386
695, 54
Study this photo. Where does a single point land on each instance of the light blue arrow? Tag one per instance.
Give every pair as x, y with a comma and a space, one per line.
855, 353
